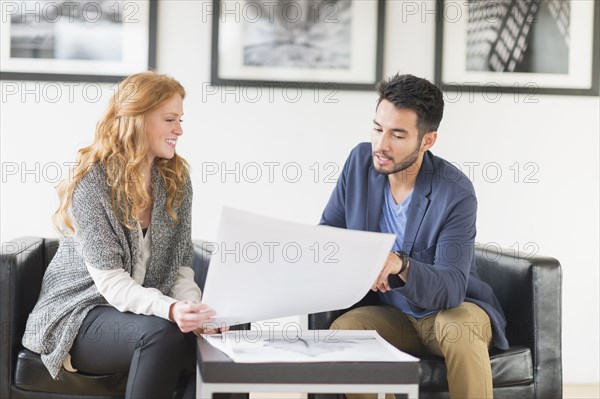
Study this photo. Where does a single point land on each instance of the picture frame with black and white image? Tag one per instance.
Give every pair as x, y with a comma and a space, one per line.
518, 46
302, 43
88, 41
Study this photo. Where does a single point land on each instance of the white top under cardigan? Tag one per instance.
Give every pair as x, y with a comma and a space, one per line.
126, 293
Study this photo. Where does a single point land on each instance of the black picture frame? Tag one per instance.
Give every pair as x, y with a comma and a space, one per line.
375, 26
451, 15
138, 16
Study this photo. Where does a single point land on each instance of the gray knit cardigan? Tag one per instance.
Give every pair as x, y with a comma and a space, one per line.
68, 292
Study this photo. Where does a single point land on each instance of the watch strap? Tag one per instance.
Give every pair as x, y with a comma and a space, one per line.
404, 258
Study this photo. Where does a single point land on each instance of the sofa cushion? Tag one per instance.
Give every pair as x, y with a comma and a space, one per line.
510, 367
32, 375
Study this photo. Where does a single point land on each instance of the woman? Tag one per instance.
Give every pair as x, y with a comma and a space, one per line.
120, 294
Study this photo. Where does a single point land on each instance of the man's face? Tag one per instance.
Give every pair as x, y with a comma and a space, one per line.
395, 139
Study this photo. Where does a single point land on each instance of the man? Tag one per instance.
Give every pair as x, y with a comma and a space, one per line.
432, 301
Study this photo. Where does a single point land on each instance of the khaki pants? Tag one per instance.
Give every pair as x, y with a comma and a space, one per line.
461, 335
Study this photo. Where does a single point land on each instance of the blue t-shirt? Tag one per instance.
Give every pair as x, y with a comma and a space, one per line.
393, 220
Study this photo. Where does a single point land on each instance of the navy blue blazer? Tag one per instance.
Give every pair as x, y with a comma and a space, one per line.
439, 236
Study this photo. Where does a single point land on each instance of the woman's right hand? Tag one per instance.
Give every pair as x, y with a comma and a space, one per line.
190, 315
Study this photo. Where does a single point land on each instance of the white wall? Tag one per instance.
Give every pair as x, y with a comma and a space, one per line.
557, 135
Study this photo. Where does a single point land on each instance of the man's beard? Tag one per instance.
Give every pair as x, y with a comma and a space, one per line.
404, 164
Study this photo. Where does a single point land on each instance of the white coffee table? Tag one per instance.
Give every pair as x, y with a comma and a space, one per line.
217, 373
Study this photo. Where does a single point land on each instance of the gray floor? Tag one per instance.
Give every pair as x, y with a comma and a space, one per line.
584, 391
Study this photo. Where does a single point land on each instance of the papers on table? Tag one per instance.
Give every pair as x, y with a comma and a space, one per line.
260, 346
263, 268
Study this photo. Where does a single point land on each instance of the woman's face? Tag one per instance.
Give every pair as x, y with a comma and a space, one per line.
164, 128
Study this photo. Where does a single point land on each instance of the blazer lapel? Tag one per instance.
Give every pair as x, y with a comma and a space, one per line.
375, 191
419, 203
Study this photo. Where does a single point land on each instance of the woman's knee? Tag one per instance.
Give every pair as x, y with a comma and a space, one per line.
164, 332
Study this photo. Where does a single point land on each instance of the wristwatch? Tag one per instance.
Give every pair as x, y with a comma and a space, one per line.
404, 258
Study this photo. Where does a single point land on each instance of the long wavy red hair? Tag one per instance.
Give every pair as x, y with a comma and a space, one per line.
121, 147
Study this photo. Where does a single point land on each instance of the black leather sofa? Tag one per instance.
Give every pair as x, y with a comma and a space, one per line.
22, 374
529, 290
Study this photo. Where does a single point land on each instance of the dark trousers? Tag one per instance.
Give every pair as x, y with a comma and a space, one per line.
153, 351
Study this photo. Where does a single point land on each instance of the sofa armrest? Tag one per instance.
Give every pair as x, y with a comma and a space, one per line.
22, 265
201, 260
529, 291
323, 320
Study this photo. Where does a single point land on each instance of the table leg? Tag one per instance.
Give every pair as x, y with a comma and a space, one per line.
202, 390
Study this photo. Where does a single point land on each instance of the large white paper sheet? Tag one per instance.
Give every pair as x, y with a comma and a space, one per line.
261, 346
263, 268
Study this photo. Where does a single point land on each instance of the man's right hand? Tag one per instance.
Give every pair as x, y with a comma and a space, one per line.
190, 315
392, 266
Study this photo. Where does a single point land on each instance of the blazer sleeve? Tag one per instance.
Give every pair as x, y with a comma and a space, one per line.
443, 284
335, 210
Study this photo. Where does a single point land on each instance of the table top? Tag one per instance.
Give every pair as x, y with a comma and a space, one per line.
217, 367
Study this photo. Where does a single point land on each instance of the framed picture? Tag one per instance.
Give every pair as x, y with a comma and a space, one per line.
300, 43
531, 46
88, 41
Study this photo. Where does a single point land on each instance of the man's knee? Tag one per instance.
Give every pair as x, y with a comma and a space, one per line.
463, 326
355, 319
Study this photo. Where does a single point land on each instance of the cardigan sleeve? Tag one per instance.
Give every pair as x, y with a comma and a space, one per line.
184, 286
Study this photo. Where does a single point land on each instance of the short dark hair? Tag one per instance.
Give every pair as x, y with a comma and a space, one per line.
416, 94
